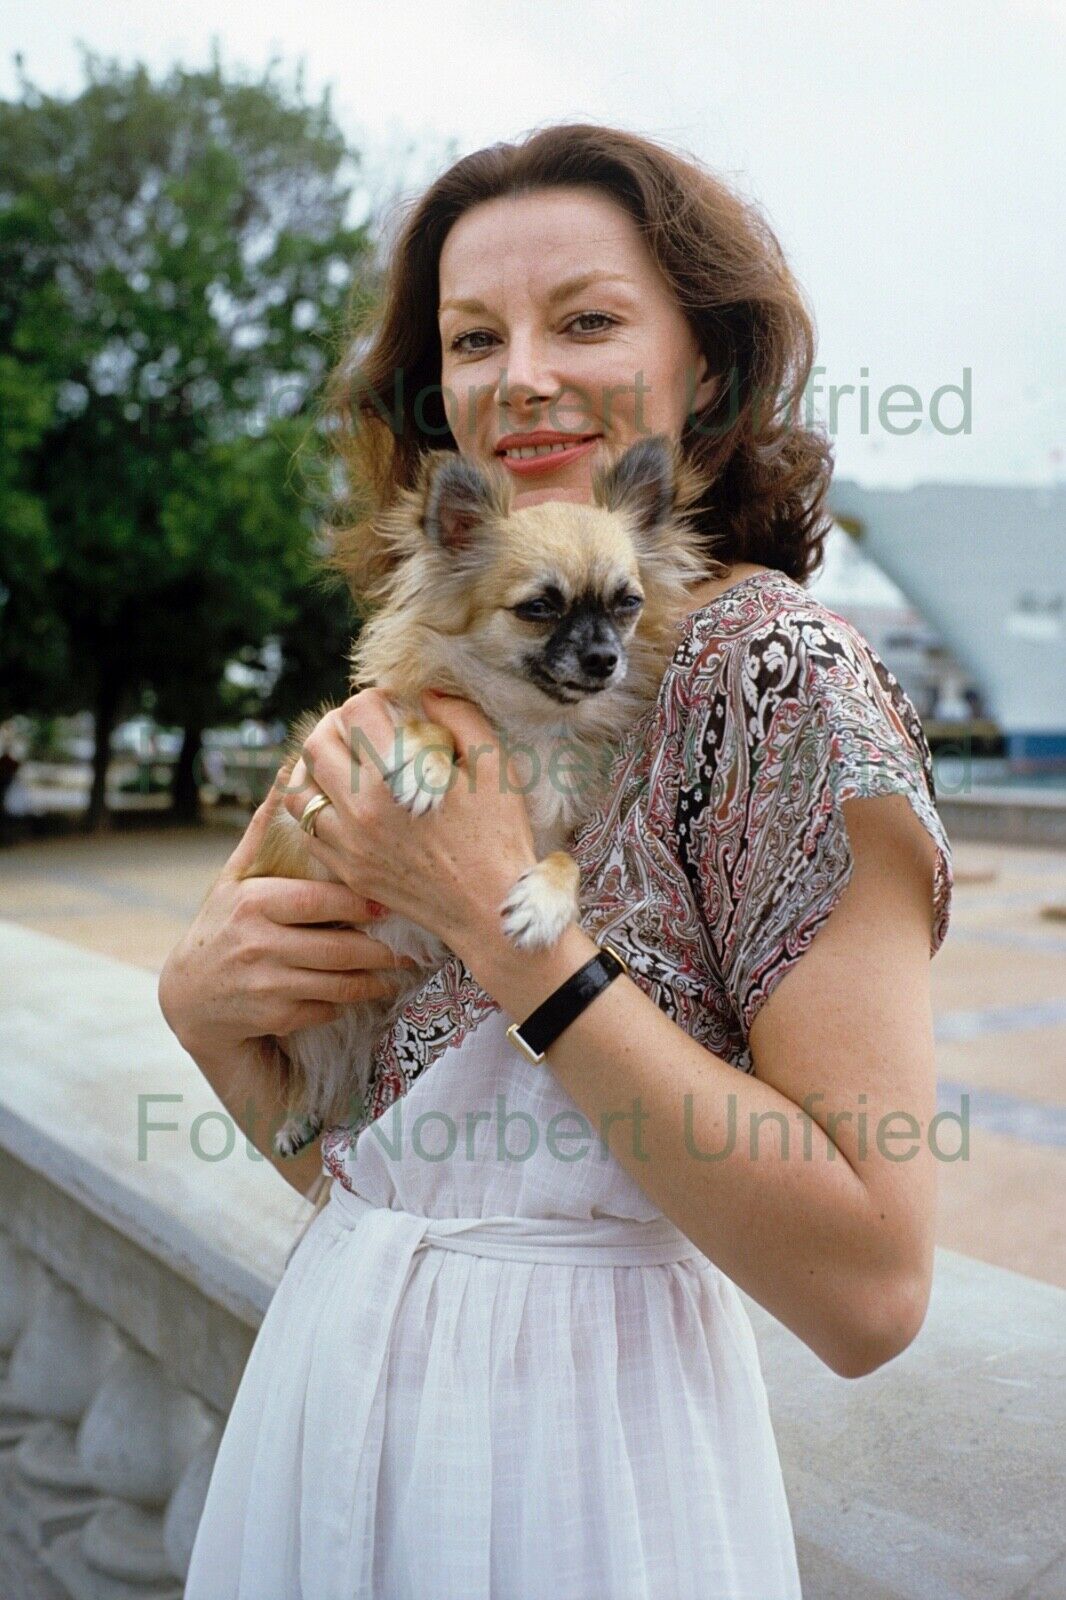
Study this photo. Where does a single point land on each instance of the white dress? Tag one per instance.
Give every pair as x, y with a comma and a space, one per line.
492, 1369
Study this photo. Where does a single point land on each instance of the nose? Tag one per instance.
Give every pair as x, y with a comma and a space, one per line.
599, 661
522, 376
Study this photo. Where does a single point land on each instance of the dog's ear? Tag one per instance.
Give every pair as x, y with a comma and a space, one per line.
642, 482
460, 498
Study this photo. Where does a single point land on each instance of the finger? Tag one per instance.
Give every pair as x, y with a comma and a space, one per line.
311, 1014
328, 854
349, 988
248, 844
310, 776
337, 950
316, 764
465, 721
331, 769
299, 783
304, 900
368, 732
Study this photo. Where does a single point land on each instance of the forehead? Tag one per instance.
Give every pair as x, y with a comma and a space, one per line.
533, 241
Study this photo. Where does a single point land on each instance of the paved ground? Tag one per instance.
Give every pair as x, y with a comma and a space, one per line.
999, 993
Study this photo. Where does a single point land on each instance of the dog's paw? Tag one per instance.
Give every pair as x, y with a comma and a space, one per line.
294, 1134
422, 776
542, 903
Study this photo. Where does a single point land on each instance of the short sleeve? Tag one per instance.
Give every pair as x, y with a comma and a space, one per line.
785, 721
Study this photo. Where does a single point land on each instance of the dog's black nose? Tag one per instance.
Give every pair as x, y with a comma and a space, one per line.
599, 663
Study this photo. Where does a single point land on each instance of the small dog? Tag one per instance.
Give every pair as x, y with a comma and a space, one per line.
558, 621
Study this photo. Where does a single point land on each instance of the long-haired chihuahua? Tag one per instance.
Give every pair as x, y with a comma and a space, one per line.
558, 620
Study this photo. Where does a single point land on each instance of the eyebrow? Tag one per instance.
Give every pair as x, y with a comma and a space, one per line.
562, 291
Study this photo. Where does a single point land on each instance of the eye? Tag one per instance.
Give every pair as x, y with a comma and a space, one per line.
475, 333
629, 602
458, 346
601, 315
539, 609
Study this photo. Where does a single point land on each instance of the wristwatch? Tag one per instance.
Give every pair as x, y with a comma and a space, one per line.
544, 1025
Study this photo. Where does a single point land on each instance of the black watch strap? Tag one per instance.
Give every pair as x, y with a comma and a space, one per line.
544, 1025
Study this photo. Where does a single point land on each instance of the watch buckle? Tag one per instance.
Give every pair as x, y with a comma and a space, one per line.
520, 1044
624, 963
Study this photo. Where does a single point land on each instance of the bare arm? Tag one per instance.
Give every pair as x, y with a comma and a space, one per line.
240, 1075
254, 965
837, 1244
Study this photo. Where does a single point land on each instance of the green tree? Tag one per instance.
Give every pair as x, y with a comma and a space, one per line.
178, 258
33, 642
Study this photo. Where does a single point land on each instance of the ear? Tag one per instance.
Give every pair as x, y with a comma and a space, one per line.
460, 497
707, 386
642, 482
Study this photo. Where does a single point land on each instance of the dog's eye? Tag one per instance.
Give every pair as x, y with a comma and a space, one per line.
538, 610
629, 602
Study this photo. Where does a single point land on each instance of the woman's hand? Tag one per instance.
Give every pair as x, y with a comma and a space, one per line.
253, 963
448, 870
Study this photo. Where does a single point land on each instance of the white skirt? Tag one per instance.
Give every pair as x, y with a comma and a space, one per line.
497, 1408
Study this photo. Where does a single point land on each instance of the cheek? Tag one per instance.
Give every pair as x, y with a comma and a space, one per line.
666, 401
469, 398
637, 394
455, 407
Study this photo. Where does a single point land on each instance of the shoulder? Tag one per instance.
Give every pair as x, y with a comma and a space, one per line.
773, 632
787, 713
771, 657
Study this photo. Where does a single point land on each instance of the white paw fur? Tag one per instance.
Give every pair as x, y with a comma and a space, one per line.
542, 903
294, 1134
420, 781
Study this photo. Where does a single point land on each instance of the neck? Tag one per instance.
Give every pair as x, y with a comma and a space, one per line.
711, 588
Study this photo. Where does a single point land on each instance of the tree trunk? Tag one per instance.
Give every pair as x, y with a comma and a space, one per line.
105, 715
186, 791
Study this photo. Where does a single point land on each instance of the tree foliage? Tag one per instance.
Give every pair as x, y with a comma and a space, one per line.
175, 262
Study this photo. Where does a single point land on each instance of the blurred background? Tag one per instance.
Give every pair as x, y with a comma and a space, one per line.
192, 198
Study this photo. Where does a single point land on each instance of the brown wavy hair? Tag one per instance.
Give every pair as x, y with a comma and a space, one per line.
767, 474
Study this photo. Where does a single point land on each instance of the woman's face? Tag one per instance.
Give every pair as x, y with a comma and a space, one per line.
532, 355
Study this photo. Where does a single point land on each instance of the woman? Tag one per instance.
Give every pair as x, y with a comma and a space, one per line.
507, 1360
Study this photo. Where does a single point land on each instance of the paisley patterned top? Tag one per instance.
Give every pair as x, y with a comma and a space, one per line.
721, 848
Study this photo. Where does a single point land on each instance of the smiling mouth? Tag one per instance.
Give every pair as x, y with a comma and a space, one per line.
533, 452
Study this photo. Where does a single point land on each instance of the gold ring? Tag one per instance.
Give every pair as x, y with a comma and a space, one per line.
317, 803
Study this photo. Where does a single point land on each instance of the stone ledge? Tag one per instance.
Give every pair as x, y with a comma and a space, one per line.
201, 1345
931, 1479
994, 816
937, 1477
22, 1576
81, 1040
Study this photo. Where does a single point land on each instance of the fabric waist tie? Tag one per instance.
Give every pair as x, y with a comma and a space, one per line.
348, 1347
569, 1241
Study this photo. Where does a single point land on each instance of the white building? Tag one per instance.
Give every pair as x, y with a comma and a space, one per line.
853, 586
986, 566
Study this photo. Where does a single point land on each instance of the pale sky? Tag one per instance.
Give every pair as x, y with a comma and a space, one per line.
909, 155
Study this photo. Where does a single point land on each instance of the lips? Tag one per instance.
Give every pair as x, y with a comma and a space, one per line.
568, 448
534, 436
